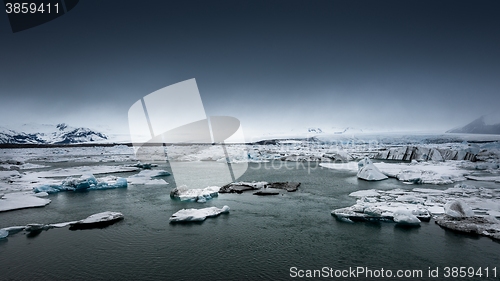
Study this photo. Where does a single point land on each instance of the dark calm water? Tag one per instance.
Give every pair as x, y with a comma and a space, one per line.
261, 238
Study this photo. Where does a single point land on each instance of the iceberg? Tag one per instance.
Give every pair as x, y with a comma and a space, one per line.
191, 215
485, 226
146, 166
368, 171
183, 193
84, 183
98, 220
405, 217
458, 209
239, 187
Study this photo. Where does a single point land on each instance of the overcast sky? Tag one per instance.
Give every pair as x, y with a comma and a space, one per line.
275, 65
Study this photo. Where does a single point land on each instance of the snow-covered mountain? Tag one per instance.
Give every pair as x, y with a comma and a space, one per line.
315, 130
346, 130
486, 124
49, 134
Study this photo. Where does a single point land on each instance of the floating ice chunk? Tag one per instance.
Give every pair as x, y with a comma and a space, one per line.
476, 225
102, 217
9, 174
110, 184
152, 173
41, 194
97, 220
368, 171
458, 209
348, 166
424, 172
85, 182
148, 177
21, 200
186, 215
3, 233
405, 217
183, 193
82, 170
487, 178
146, 166
53, 188
239, 187
362, 193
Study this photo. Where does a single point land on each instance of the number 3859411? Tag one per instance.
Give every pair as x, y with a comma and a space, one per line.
31, 8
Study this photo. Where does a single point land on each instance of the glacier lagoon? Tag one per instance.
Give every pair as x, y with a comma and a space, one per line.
261, 238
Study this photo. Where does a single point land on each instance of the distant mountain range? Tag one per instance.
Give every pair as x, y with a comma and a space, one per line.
315, 130
49, 134
479, 126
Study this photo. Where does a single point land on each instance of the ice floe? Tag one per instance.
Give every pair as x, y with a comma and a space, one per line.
201, 195
459, 207
82, 170
190, 215
485, 226
148, 177
98, 220
239, 187
21, 200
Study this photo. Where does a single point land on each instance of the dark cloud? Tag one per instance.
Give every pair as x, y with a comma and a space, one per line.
273, 64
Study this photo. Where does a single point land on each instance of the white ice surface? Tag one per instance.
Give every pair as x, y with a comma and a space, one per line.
95, 218
200, 195
402, 216
368, 171
186, 215
458, 209
416, 172
482, 201
82, 170
148, 177
21, 200
101, 217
